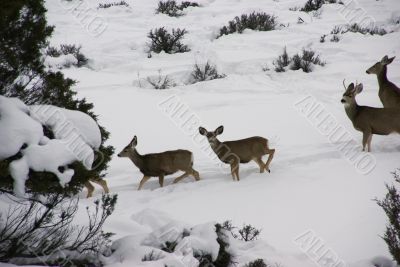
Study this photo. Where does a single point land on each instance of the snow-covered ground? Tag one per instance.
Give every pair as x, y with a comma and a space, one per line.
311, 185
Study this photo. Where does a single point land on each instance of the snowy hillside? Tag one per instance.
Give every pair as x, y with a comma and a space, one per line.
312, 185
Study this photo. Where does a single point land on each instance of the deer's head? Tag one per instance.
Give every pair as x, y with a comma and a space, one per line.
380, 65
211, 136
129, 148
349, 96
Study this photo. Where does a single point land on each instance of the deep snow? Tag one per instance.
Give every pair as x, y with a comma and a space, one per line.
76, 134
311, 184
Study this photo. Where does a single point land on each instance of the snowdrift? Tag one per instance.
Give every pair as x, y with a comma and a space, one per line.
76, 135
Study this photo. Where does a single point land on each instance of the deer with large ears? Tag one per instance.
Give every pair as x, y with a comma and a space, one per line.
160, 164
389, 93
369, 120
239, 151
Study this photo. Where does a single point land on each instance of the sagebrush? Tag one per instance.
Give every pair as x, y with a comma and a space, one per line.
205, 72
257, 21
282, 61
305, 61
355, 28
247, 233
314, 5
257, 263
68, 49
160, 82
173, 9
152, 256
41, 231
108, 5
169, 42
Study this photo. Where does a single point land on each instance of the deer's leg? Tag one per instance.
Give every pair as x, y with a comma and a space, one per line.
161, 180
177, 179
270, 153
102, 183
237, 171
90, 189
369, 143
366, 136
233, 171
260, 164
144, 179
196, 175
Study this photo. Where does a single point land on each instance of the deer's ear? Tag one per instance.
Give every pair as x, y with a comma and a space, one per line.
202, 131
219, 130
384, 60
350, 87
359, 88
134, 141
390, 60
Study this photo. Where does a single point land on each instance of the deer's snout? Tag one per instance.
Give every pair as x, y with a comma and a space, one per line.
119, 155
343, 101
367, 72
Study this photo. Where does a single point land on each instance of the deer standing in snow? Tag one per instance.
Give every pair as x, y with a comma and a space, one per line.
369, 120
239, 151
389, 93
160, 164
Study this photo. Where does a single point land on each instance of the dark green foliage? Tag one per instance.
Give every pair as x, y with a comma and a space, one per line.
246, 233
304, 61
366, 30
68, 50
169, 246
391, 206
224, 258
205, 73
373, 30
337, 30
53, 51
256, 263
37, 231
152, 256
172, 9
108, 5
282, 61
312, 5
44, 182
160, 82
259, 21
187, 4
205, 260
76, 52
335, 38
23, 38
249, 233
169, 8
170, 43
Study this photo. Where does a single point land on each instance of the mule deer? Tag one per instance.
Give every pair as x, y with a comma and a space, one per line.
389, 93
99, 181
368, 120
239, 151
160, 164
